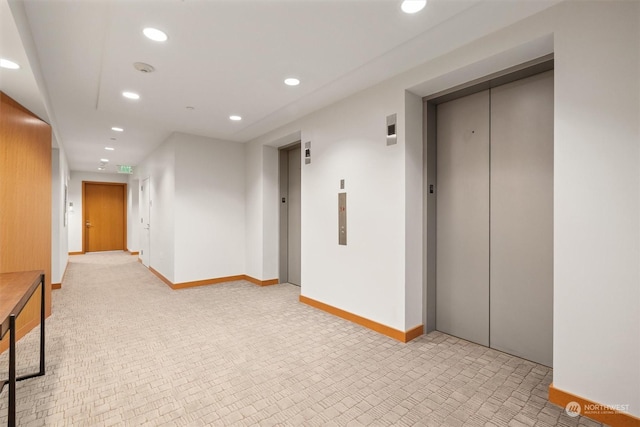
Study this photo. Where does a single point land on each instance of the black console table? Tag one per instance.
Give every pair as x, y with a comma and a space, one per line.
15, 291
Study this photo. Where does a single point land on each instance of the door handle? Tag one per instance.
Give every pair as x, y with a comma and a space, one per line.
88, 224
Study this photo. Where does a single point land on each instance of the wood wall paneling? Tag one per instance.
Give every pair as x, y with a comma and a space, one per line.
25, 201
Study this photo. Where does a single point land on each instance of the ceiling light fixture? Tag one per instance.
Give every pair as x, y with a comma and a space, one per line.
235, 118
104, 160
109, 148
155, 34
291, 81
10, 65
131, 95
117, 129
101, 168
413, 6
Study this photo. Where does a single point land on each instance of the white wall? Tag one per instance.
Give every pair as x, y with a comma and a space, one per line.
262, 207
597, 236
133, 215
414, 252
366, 277
75, 196
59, 234
197, 208
254, 201
270, 215
209, 208
597, 191
159, 167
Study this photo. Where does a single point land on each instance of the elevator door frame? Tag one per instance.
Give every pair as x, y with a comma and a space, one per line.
283, 178
518, 72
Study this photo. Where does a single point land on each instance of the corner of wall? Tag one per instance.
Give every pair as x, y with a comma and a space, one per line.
270, 223
253, 208
414, 219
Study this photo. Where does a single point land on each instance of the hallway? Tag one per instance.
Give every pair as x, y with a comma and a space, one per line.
124, 349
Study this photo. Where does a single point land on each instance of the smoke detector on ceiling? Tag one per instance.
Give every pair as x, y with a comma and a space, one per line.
143, 68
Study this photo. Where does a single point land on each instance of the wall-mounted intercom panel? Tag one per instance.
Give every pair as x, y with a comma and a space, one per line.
307, 152
392, 137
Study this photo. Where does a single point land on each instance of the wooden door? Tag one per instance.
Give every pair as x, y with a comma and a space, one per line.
104, 216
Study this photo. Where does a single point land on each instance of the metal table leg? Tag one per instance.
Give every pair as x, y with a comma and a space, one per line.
12, 371
12, 357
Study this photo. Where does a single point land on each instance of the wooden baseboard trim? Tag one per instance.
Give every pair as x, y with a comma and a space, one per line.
66, 266
59, 285
370, 324
213, 281
414, 333
593, 410
76, 253
134, 252
160, 276
205, 282
261, 282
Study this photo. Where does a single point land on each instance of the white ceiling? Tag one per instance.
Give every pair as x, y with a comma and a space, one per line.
18, 84
223, 57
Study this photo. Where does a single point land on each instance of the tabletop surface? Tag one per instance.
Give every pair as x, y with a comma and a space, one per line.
15, 291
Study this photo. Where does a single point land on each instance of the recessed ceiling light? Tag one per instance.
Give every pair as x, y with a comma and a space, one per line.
117, 129
101, 168
235, 118
413, 6
291, 81
109, 148
131, 95
155, 34
104, 160
5, 63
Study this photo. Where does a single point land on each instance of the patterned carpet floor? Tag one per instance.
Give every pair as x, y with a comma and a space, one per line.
124, 349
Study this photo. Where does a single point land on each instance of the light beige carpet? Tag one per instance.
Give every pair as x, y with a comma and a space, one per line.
124, 349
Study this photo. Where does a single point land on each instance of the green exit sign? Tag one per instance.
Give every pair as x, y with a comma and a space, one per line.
125, 169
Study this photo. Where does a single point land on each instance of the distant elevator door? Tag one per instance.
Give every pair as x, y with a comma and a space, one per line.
494, 242
290, 214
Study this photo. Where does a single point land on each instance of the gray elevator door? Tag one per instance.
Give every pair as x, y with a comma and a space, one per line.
494, 254
294, 217
462, 230
522, 218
